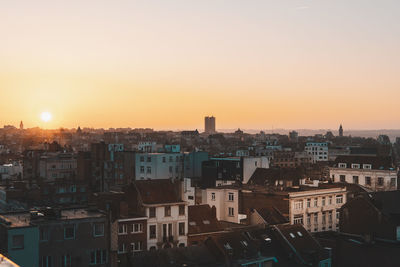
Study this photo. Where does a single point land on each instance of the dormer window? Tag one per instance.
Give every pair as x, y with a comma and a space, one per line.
355, 166
367, 166
342, 165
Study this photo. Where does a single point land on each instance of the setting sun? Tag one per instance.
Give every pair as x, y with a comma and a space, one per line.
46, 116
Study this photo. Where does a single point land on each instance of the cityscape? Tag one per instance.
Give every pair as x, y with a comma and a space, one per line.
205, 133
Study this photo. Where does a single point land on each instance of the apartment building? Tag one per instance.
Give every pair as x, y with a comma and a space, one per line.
159, 166
375, 173
33, 238
317, 209
166, 212
318, 151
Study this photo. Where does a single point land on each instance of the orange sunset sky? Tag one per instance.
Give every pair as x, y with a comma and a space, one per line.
167, 64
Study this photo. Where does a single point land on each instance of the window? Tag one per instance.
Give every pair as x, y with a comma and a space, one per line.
315, 202
367, 180
44, 234
355, 166
167, 211
367, 166
316, 218
148, 169
339, 199
99, 256
66, 261
170, 159
98, 229
152, 231
342, 165
342, 178
148, 159
298, 205
163, 159
298, 219
170, 169
323, 201
231, 212
152, 212
137, 246
141, 169
69, 232
308, 220
18, 242
392, 182
230, 196
308, 202
355, 179
181, 228
121, 248
380, 181
213, 196
181, 209
323, 218
330, 200
137, 228
122, 229
337, 215
141, 159
46, 261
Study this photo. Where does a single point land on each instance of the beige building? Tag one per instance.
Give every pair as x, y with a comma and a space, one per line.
317, 209
375, 173
226, 201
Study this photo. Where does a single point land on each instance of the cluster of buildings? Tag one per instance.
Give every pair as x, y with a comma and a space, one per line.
146, 198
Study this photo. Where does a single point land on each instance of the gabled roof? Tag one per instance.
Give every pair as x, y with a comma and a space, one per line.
376, 162
158, 191
202, 219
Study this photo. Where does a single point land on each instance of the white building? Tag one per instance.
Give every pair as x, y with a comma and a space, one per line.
158, 166
318, 151
317, 209
250, 164
167, 213
375, 173
226, 201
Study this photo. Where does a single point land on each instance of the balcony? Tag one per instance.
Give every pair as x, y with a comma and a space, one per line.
313, 209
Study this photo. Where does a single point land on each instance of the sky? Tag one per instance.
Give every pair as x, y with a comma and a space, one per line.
253, 64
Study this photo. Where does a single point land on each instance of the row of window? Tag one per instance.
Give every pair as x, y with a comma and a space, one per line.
148, 169
69, 232
166, 230
379, 182
135, 247
326, 216
355, 166
298, 204
167, 211
231, 196
171, 159
135, 228
98, 256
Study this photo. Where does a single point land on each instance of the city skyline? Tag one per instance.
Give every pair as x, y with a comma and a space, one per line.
287, 64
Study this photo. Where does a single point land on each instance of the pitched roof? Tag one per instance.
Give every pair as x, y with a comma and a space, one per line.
386, 201
376, 162
158, 191
272, 215
268, 176
298, 240
202, 219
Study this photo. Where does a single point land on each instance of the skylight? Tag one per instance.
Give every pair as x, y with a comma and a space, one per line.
292, 235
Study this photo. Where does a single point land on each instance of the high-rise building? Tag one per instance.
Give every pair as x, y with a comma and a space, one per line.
209, 124
340, 131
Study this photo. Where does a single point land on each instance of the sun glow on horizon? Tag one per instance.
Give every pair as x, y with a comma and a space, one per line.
46, 116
